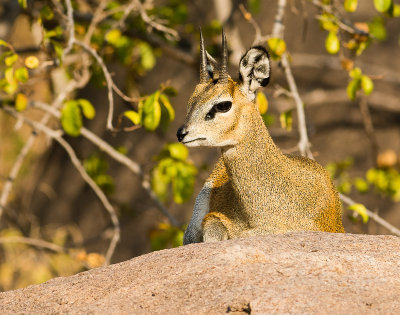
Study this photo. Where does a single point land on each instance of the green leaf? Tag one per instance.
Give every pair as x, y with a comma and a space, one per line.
170, 91
160, 183
151, 112
4, 43
166, 103
87, 108
328, 22
183, 183
382, 5
286, 120
9, 61
352, 88
21, 74
23, 3
377, 28
71, 118
371, 175
262, 103
268, 119
9, 75
332, 43
395, 10
58, 49
361, 210
178, 151
350, 5
361, 185
147, 58
133, 116
367, 85
254, 6
355, 73
46, 13
21, 101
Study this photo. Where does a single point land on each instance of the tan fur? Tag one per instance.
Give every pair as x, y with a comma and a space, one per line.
255, 188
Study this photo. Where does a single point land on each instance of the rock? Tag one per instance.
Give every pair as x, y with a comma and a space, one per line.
295, 273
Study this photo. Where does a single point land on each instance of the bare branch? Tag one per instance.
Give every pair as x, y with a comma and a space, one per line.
368, 126
169, 32
33, 242
277, 32
278, 27
109, 81
16, 167
72, 85
123, 159
71, 28
97, 17
347, 200
57, 136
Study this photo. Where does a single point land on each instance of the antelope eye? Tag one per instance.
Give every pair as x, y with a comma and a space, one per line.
223, 107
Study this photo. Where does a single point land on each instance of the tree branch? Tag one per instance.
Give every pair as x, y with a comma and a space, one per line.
123, 159
57, 136
33, 242
347, 200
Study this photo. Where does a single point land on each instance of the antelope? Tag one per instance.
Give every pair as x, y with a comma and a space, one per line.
254, 188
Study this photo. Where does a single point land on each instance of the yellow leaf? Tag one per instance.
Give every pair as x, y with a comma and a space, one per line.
332, 43
32, 62
21, 101
95, 260
262, 103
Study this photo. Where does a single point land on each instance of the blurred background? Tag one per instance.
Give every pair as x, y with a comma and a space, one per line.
62, 63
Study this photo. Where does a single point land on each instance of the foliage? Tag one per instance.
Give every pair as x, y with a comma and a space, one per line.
174, 169
156, 110
166, 236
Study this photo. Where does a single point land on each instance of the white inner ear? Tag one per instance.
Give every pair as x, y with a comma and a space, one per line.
254, 67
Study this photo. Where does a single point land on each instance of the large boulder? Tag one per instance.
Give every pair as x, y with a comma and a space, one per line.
297, 273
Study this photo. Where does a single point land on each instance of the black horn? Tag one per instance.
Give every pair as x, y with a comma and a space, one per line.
203, 61
223, 75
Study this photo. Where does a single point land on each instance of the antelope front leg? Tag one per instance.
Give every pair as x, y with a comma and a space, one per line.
215, 227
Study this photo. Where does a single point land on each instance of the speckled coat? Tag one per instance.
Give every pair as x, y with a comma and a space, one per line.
254, 188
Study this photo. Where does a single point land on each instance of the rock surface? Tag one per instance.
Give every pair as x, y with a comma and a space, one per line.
296, 273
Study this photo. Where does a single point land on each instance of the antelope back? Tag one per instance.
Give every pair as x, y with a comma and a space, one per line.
219, 111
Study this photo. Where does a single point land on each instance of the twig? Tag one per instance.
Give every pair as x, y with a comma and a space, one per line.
97, 17
347, 200
170, 33
72, 85
259, 39
304, 144
369, 127
57, 136
278, 27
344, 25
109, 81
124, 160
71, 28
34, 242
277, 32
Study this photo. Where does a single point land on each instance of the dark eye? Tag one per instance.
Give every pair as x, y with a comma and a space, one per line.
223, 107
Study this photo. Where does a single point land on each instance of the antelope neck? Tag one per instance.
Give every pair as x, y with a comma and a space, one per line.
254, 165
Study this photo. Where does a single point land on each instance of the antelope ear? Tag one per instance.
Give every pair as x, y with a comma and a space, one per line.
254, 70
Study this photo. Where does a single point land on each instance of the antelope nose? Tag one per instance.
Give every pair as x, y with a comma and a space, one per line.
181, 133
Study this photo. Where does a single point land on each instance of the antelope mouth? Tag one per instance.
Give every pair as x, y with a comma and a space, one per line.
191, 141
